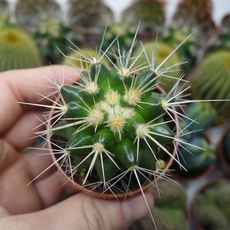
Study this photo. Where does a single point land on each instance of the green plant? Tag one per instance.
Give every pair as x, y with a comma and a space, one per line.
53, 38
93, 14
211, 80
158, 52
195, 13
211, 206
115, 132
30, 13
17, 50
149, 12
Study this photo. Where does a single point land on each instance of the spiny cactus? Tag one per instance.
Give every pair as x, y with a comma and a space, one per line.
53, 38
30, 13
17, 50
92, 14
115, 132
158, 51
211, 80
149, 12
198, 12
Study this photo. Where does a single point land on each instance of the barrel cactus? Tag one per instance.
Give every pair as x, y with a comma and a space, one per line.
211, 80
30, 13
89, 14
149, 12
17, 50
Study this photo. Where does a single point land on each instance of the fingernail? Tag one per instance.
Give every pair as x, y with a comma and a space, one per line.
136, 208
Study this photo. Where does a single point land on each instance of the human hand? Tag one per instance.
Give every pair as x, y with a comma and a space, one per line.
35, 206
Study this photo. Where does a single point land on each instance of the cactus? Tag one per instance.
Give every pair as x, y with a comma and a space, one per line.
160, 51
17, 50
211, 80
30, 13
196, 13
115, 132
149, 12
90, 14
211, 206
53, 38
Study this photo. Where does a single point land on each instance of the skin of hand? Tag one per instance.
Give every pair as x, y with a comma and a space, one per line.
38, 205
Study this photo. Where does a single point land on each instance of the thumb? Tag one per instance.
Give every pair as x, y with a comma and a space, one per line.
83, 212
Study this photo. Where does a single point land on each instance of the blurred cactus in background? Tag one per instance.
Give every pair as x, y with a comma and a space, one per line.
17, 50
149, 12
211, 206
30, 13
211, 80
196, 13
157, 52
89, 14
53, 38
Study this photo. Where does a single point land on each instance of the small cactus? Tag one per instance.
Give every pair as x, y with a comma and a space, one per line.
211, 80
30, 13
53, 38
115, 132
149, 12
17, 50
89, 14
194, 12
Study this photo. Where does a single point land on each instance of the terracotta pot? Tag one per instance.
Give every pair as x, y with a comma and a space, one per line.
107, 195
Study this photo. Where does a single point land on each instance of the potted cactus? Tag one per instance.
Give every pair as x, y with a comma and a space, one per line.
211, 205
53, 38
88, 17
151, 15
30, 13
17, 50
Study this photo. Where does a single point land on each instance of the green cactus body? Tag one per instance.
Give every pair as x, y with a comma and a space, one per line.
211, 206
52, 36
195, 13
158, 52
149, 12
89, 14
211, 80
115, 130
30, 13
17, 50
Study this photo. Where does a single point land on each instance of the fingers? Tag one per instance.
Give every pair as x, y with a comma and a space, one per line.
21, 134
28, 86
82, 212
